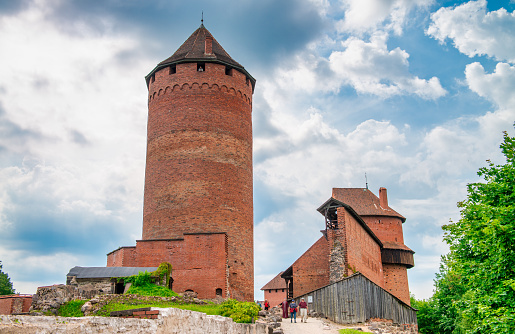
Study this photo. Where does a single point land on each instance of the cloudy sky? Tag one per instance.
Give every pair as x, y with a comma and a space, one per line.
414, 93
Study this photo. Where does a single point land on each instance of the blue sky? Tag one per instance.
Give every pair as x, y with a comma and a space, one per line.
414, 93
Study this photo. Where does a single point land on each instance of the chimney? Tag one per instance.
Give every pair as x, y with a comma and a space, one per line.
383, 198
209, 45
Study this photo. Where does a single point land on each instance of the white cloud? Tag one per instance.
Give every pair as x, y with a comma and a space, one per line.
73, 108
371, 68
497, 87
368, 67
369, 15
474, 31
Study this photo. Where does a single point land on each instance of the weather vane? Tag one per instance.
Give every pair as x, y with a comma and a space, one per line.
202, 20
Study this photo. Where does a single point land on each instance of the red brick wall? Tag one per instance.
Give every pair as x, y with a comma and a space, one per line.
122, 257
396, 281
386, 228
6, 305
363, 252
198, 174
15, 304
311, 270
275, 297
199, 261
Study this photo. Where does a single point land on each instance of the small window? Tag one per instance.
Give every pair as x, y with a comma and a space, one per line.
282, 290
248, 81
201, 67
219, 292
173, 69
153, 78
228, 70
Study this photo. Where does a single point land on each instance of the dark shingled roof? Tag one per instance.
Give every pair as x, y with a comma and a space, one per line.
364, 202
276, 283
107, 272
193, 50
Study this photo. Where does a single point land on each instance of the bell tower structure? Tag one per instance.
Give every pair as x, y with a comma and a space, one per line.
198, 201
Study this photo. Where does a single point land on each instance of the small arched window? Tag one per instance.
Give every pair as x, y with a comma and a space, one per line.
219, 292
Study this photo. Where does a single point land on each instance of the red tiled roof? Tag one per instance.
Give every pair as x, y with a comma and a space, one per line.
364, 202
194, 48
276, 283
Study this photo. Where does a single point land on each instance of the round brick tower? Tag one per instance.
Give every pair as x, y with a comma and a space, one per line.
198, 176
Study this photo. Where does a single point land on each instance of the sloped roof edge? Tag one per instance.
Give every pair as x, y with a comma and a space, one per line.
107, 272
331, 202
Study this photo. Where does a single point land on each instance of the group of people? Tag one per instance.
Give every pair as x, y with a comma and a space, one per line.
294, 308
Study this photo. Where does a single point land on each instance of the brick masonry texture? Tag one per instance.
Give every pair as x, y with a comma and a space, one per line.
385, 228
13, 304
199, 261
274, 297
198, 175
363, 253
311, 270
396, 281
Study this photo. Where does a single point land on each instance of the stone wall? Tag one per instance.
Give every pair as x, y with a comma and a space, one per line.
49, 298
169, 320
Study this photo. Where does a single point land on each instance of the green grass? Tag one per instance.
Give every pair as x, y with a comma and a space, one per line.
238, 311
211, 309
72, 308
349, 331
111, 307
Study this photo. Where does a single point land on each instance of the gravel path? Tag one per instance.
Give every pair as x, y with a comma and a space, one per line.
312, 326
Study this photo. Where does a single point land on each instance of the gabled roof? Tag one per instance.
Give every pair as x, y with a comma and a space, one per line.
107, 272
333, 203
193, 50
276, 283
364, 202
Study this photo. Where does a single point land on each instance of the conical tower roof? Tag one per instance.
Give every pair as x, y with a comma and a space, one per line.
193, 50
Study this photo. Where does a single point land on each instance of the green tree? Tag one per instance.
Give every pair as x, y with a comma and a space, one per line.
426, 316
6, 287
475, 288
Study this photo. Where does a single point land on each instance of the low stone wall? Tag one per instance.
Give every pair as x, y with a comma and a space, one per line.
169, 320
50, 298
14, 304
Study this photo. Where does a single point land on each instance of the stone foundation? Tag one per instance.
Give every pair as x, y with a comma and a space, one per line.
169, 320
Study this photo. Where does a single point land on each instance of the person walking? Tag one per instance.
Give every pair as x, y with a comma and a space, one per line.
284, 306
267, 305
293, 311
303, 306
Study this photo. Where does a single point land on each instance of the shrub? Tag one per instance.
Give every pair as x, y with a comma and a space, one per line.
349, 331
151, 290
72, 308
241, 312
142, 285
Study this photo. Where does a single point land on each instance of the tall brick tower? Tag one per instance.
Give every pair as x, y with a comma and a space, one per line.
198, 205
198, 176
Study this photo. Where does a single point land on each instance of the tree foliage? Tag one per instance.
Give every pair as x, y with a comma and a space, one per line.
475, 287
6, 286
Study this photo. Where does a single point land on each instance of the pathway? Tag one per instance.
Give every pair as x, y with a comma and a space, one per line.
312, 326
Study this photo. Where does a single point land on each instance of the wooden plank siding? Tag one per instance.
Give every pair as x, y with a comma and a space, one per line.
356, 299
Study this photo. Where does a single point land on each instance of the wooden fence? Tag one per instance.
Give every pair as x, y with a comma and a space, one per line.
356, 299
